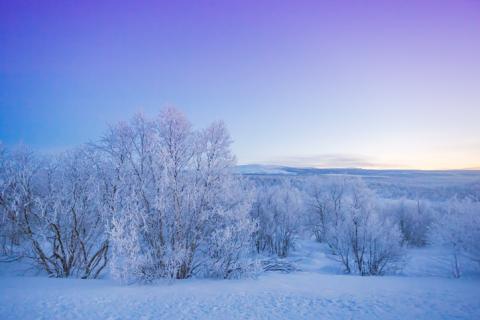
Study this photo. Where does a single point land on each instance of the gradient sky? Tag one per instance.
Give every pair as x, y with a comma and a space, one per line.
375, 84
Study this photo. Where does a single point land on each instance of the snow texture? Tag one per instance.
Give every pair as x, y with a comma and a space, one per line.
274, 296
316, 292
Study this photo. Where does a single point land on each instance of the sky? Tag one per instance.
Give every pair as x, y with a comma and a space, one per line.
370, 84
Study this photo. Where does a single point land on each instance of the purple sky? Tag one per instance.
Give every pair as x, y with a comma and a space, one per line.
377, 84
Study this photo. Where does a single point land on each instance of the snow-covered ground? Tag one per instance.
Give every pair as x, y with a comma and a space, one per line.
275, 296
316, 292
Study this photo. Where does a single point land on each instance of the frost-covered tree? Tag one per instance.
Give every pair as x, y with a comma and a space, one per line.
349, 222
75, 210
6, 239
155, 196
324, 201
278, 210
457, 228
18, 167
54, 208
178, 210
414, 219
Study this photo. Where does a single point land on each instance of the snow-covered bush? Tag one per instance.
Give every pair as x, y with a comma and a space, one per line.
324, 202
179, 210
73, 217
383, 249
55, 206
18, 168
358, 235
413, 217
278, 210
457, 228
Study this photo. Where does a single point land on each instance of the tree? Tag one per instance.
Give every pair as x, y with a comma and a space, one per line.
413, 217
458, 229
17, 196
362, 239
179, 210
278, 210
325, 198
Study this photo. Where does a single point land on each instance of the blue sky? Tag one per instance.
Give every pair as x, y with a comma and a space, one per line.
371, 84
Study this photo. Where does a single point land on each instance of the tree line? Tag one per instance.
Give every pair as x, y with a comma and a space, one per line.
156, 198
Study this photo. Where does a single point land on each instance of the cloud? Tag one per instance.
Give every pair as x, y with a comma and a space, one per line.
332, 161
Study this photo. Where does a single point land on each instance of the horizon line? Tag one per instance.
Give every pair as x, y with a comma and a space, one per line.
357, 168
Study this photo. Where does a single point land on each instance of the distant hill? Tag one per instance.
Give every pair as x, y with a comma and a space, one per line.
259, 169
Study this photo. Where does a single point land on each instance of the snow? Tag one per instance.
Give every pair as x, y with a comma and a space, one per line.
318, 291
302, 295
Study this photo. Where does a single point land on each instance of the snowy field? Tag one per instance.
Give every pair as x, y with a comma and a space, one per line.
315, 292
276, 296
